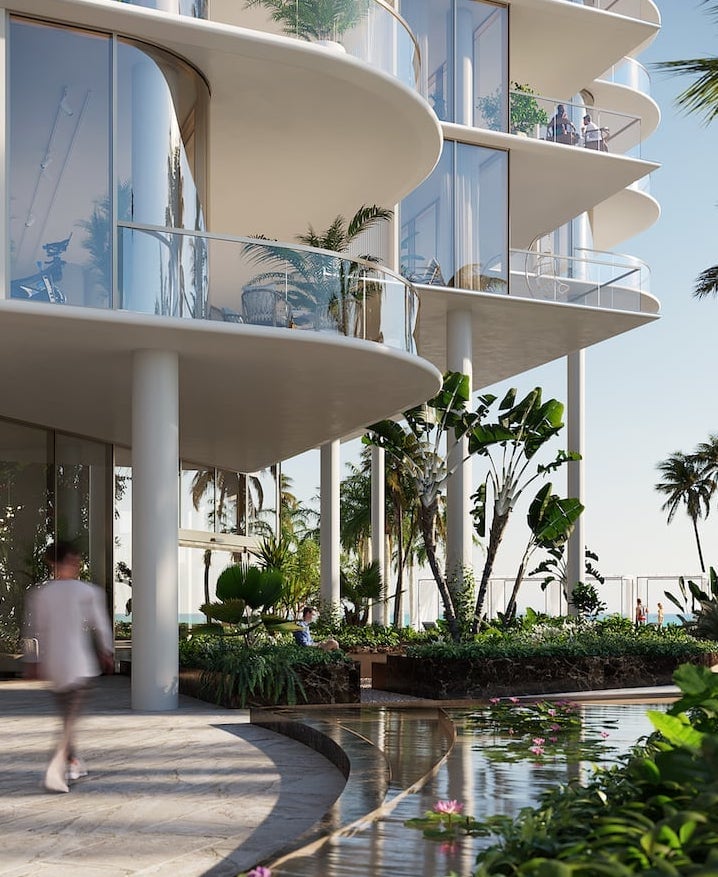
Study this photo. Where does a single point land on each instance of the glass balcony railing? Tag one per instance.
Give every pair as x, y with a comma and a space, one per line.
543, 118
639, 9
196, 275
191, 8
593, 279
630, 73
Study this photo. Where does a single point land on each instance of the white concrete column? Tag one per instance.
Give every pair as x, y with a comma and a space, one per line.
576, 441
155, 514
4, 166
459, 548
378, 524
329, 523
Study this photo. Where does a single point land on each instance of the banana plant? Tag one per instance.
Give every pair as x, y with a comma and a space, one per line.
551, 521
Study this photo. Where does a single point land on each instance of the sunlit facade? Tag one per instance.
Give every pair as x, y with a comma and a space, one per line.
162, 331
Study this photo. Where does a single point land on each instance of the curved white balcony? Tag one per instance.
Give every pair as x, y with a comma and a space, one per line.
624, 214
626, 89
272, 137
631, 73
590, 38
281, 348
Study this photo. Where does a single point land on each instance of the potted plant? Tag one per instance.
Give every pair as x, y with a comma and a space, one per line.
524, 110
322, 21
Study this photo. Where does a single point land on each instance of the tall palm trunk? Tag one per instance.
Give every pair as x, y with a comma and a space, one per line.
427, 518
698, 542
498, 525
399, 565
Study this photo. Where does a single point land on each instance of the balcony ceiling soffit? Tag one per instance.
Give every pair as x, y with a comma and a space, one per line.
293, 126
621, 99
551, 183
558, 48
622, 216
249, 396
512, 335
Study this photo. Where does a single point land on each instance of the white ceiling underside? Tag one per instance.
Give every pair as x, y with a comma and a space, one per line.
298, 133
551, 183
512, 335
625, 214
559, 47
249, 396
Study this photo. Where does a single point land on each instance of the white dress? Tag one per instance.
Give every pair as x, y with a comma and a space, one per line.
65, 616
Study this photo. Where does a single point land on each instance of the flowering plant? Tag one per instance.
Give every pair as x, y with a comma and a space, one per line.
445, 822
541, 731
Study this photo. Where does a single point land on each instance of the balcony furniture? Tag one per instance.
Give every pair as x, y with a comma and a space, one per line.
225, 315
264, 306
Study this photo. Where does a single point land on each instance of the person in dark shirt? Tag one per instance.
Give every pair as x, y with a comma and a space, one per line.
303, 636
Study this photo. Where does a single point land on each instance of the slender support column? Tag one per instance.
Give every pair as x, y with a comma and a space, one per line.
378, 528
329, 524
458, 504
576, 442
155, 512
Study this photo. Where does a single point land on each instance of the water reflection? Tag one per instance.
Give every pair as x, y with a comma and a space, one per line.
413, 742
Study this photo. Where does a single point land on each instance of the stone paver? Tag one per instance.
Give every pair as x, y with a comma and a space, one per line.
198, 791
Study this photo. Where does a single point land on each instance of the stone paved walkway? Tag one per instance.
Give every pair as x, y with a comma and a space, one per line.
199, 791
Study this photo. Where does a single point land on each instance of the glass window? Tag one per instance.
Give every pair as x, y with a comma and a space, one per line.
454, 227
24, 522
262, 495
59, 126
464, 47
82, 499
162, 106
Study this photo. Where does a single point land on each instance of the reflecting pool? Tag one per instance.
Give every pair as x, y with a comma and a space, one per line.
415, 765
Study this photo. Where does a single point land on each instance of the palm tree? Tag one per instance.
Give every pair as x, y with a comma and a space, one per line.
323, 282
700, 97
686, 482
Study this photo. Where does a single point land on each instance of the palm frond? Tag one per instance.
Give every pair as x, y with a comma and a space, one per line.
701, 96
706, 283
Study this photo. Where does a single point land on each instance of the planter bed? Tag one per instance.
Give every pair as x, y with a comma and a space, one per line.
322, 683
459, 678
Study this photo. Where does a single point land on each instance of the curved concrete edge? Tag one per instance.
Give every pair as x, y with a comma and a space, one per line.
316, 735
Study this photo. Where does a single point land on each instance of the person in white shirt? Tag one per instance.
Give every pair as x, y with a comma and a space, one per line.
592, 134
67, 625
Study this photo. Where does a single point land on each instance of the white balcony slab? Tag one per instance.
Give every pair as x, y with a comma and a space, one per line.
512, 335
623, 215
249, 395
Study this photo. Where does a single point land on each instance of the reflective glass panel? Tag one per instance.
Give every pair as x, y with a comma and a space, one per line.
162, 106
59, 124
262, 502
454, 227
24, 522
197, 498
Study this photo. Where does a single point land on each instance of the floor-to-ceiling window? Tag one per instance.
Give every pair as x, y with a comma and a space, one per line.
454, 227
85, 156
51, 486
464, 46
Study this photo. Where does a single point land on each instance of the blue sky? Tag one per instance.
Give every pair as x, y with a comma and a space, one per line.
651, 391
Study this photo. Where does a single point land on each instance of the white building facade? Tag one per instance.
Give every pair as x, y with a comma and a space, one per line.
145, 328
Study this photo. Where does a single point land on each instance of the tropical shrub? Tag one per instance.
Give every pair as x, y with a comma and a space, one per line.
234, 673
656, 813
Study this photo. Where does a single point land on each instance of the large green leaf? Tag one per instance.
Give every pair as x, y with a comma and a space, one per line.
228, 612
677, 730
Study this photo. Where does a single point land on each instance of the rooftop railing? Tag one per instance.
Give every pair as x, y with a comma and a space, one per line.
179, 273
631, 73
538, 117
592, 279
370, 30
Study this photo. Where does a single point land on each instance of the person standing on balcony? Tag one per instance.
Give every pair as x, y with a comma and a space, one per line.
67, 624
560, 128
591, 133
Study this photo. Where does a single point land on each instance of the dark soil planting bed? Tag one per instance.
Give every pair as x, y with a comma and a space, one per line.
444, 678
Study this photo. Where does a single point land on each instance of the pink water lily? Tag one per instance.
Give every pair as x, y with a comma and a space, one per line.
555, 728
537, 750
551, 712
451, 808
605, 734
514, 699
539, 741
553, 739
260, 871
494, 700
